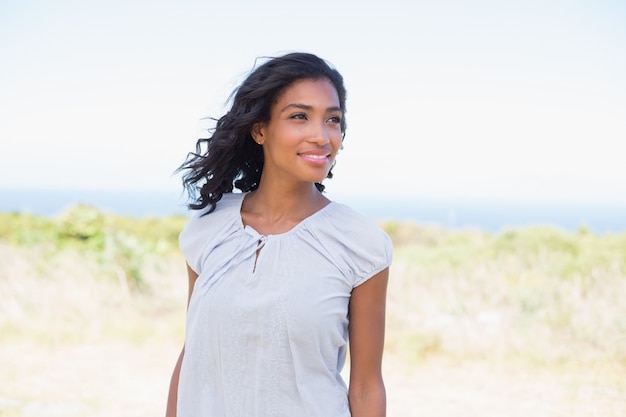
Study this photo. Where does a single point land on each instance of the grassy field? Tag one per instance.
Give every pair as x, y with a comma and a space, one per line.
523, 322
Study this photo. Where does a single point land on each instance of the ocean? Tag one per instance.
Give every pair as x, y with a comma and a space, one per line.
491, 216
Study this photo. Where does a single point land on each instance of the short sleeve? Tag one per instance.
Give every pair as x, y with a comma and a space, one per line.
373, 256
191, 240
204, 231
357, 245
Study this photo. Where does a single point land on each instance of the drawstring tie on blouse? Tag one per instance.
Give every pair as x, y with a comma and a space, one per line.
249, 246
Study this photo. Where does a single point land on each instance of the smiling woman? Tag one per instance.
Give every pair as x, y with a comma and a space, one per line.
280, 277
303, 135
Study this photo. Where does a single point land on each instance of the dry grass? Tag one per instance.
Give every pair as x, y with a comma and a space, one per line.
76, 341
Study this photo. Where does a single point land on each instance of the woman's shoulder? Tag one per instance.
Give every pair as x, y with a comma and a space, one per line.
204, 225
351, 222
228, 201
354, 241
342, 224
227, 207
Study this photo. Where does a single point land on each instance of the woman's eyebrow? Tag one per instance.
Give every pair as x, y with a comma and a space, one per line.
307, 107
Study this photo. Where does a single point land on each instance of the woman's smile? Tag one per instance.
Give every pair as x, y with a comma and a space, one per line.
321, 157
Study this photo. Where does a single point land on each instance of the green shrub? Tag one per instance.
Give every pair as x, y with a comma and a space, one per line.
118, 243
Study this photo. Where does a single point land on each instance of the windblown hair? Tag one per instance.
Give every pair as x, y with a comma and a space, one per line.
230, 158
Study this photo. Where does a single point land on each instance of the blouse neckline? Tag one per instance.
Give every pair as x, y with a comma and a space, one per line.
251, 230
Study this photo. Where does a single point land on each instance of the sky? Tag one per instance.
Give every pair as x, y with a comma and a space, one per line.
449, 99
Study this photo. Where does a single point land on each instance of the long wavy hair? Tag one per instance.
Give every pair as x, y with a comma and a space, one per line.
230, 158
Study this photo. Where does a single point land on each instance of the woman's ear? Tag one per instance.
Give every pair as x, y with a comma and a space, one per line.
257, 132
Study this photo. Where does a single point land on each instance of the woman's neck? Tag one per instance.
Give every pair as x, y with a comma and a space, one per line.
271, 211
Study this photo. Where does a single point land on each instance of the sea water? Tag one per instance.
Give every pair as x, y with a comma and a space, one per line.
451, 213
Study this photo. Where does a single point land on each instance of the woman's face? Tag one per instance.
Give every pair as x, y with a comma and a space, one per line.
303, 135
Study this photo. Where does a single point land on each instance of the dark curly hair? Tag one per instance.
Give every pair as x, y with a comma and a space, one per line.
230, 158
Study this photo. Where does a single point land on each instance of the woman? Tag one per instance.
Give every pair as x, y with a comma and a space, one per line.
280, 277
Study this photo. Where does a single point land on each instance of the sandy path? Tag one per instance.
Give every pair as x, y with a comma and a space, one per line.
131, 381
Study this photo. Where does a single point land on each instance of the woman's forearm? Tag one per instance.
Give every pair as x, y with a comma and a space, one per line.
172, 397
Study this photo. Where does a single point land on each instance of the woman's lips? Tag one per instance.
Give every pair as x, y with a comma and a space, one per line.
315, 157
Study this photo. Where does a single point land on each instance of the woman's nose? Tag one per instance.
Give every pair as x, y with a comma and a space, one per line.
321, 134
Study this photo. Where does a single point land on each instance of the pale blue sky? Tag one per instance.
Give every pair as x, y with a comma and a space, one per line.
468, 99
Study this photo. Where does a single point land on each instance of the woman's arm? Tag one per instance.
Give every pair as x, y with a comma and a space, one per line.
366, 393
172, 398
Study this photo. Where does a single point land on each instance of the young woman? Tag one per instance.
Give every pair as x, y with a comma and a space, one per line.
280, 277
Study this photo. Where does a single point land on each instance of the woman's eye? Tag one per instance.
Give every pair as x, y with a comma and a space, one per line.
299, 116
335, 119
